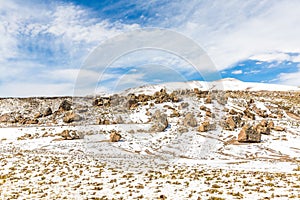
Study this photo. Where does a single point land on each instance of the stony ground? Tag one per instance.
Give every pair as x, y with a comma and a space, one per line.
183, 144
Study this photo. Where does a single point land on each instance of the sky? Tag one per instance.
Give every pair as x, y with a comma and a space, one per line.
46, 45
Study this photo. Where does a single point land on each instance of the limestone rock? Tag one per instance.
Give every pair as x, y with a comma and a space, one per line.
65, 106
271, 125
70, 135
160, 122
229, 124
205, 126
190, 120
249, 134
47, 112
279, 128
32, 121
208, 100
5, 118
38, 115
71, 117
249, 114
114, 136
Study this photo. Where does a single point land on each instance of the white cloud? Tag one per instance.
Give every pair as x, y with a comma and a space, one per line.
236, 30
229, 31
21, 89
271, 57
289, 78
237, 72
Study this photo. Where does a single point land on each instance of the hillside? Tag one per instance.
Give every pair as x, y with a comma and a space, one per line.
227, 139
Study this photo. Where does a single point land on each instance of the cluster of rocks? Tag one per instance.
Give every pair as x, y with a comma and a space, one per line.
17, 118
252, 133
65, 108
132, 101
70, 135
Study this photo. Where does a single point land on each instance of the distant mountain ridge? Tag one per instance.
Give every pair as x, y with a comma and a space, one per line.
222, 84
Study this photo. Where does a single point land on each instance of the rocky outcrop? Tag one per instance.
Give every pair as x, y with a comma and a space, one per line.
249, 134
115, 136
160, 122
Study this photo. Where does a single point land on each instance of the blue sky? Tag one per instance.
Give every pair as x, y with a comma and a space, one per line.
43, 44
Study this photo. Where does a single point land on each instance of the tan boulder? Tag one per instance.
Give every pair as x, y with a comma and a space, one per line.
115, 136
249, 134
65, 106
271, 125
47, 112
160, 122
70, 135
205, 126
190, 120
279, 128
71, 117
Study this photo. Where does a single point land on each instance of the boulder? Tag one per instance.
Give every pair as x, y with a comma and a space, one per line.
190, 120
160, 122
70, 135
182, 129
5, 117
205, 126
183, 105
71, 117
208, 113
264, 123
132, 101
229, 124
38, 115
263, 130
249, 114
175, 114
173, 97
47, 112
279, 128
65, 106
208, 100
32, 121
202, 107
249, 134
233, 112
115, 136
271, 125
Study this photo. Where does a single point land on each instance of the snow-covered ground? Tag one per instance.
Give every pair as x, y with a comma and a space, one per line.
37, 163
